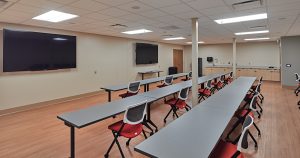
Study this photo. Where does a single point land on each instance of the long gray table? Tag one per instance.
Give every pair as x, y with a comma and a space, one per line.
196, 132
150, 72
84, 117
145, 82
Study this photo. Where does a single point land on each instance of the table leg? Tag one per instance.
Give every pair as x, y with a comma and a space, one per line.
142, 76
148, 87
186, 77
109, 96
149, 118
72, 141
145, 87
158, 74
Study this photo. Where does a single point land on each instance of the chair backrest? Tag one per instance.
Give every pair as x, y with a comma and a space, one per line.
253, 102
208, 84
168, 80
258, 87
133, 87
183, 94
243, 141
231, 74
190, 75
223, 78
297, 77
135, 114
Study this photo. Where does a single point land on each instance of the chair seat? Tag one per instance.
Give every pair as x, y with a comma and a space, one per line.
127, 94
206, 92
225, 150
244, 112
128, 131
180, 104
248, 97
185, 79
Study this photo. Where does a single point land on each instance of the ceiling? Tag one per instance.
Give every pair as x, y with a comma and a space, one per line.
160, 16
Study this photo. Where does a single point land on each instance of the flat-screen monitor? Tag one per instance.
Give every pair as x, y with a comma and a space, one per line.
34, 51
146, 53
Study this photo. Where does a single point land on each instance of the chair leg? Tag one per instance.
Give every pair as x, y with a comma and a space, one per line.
261, 109
168, 115
146, 125
253, 140
111, 145
145, 134
120, 149
174, 111
258, 130
128, 141
186, 109
259, 115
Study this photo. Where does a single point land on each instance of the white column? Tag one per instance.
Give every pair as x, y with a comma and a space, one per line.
195, 61
234, 57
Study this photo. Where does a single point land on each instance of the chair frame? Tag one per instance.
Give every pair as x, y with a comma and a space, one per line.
207, 87
133, 92
116, 134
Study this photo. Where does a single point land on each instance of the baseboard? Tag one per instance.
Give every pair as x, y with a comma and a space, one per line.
47, 103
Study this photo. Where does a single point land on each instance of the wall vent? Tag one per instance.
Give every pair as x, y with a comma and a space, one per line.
247, 4
171, 27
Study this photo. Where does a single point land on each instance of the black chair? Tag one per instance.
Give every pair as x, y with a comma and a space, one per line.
234, 149
178, 103
130, 127
133, 89
168, 81
241, 115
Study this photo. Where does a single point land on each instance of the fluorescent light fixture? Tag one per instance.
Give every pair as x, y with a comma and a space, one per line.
252, 32
59, 39
140, 31
55, 16
257, 39
242, 18
173, 38
200, 42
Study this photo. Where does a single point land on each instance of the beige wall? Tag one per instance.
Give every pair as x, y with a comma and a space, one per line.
112, 58
248, 54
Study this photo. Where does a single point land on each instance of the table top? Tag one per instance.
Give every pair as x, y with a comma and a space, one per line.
196, 132
152, 71
143, 82
84, 117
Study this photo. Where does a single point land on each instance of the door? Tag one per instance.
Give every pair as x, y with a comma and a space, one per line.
178, 59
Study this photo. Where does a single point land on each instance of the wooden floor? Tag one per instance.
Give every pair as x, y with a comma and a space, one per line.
39, 134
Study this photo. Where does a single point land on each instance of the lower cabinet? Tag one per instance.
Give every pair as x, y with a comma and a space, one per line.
267, 74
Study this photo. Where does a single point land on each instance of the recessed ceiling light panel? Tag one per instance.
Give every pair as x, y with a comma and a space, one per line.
257, 39
252, 32
140, 31
55, 16
173, 38
242, 18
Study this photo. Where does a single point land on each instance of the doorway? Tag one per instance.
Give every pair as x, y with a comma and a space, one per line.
178, 59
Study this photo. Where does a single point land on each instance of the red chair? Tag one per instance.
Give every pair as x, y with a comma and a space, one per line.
206, 92
178, 103
130, 127
168, 81
133, 89
229, 79
234, 149
243, 113
188, 77
297, 90
219, 84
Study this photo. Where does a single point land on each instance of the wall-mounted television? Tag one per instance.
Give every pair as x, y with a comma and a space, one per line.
34, 51
146, 53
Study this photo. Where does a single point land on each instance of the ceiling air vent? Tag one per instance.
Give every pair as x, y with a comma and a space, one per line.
172, 27
258, 27
247, 4
118, 26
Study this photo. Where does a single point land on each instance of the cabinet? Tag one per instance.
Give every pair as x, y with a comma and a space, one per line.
267, 74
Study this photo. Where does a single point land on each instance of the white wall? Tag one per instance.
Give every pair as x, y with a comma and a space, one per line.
248, 54
112, 58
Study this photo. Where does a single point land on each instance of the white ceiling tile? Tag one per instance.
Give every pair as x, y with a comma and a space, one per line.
89, 5
153, 13
115, 12
41, 3
64, 1
217, 11
179, 8
73, 10
189, 15
160, 3
204, 4
97, 16
114, 2
131, 5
